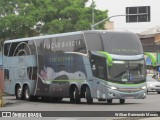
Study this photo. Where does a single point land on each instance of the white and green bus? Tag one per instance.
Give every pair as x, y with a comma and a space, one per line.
94, 64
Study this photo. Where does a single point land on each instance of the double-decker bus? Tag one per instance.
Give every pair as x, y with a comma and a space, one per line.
85, 64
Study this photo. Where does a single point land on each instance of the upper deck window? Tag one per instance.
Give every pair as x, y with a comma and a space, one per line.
94, 42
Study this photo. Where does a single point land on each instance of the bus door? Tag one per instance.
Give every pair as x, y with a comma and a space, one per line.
99, 71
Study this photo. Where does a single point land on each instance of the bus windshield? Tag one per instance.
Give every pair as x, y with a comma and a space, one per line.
128, 72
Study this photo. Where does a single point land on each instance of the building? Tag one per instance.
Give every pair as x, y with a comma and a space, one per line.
150, 40
141, 14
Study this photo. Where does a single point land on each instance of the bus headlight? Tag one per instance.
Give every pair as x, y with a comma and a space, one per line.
143, 88
113, 88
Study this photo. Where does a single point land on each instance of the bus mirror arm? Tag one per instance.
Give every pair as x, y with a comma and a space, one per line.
107, 56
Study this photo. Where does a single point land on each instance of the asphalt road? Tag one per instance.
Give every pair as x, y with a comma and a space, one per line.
151, 103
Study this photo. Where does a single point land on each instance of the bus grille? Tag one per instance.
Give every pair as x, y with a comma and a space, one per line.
129, 90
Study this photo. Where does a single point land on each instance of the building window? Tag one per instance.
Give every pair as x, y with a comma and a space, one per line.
138, 14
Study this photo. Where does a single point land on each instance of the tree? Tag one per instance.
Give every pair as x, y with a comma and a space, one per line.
25, 18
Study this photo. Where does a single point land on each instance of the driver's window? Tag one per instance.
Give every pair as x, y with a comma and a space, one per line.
98, 66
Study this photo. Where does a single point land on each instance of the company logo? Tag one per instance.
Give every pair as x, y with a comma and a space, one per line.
62, 44
6, 114
21, 114
125, 50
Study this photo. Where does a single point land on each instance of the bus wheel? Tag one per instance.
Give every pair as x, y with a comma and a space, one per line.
19, 93
122, 101
158, 92
76, 95
109, 101
57, 99
88, 96
72, 100
27, 95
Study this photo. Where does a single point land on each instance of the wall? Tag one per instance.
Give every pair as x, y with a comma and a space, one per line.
118, 7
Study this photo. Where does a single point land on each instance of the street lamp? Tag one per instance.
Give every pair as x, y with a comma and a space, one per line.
93, 25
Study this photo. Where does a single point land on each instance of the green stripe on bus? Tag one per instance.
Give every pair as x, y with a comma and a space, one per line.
65, 80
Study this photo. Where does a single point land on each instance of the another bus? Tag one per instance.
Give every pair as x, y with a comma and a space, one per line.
86, 64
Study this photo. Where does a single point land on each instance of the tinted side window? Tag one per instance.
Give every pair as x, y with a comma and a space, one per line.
98, 65
94, 41
6, 74
70, 43
6, 49
61, 44
19, 48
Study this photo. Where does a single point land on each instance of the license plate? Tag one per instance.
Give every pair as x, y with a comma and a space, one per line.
129, 97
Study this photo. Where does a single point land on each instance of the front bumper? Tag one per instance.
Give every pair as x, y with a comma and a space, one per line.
115, 94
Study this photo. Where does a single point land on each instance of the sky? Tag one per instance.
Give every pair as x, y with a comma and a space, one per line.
117, 7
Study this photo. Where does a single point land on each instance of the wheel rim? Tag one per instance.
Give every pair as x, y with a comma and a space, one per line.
19, 93
74, 94
27, 93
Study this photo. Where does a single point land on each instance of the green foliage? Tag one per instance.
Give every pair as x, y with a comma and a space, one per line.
25, 18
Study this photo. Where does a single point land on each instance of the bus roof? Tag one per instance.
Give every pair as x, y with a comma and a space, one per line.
43, 37
62, 34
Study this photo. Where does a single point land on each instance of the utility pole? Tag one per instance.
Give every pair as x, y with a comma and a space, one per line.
92, 12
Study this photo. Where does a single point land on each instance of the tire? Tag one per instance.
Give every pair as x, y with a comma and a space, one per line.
109, 101
88, 96
122, 101
57, 99
27, 95
19, 93
75, 97
158, 92
72, 100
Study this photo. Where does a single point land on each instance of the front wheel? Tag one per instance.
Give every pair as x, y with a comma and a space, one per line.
27, 95
75, 97
122, 101
158, 92
88, 96
109, 101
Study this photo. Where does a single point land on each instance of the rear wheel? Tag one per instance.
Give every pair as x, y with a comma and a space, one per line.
109, 101
88, 96
122, 101
19, 93
27, 95
158, 92
74, 96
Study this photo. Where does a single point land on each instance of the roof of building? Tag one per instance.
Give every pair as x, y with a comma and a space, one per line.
151, 31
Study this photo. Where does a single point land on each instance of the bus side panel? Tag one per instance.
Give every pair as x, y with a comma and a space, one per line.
58, 72
20, 71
